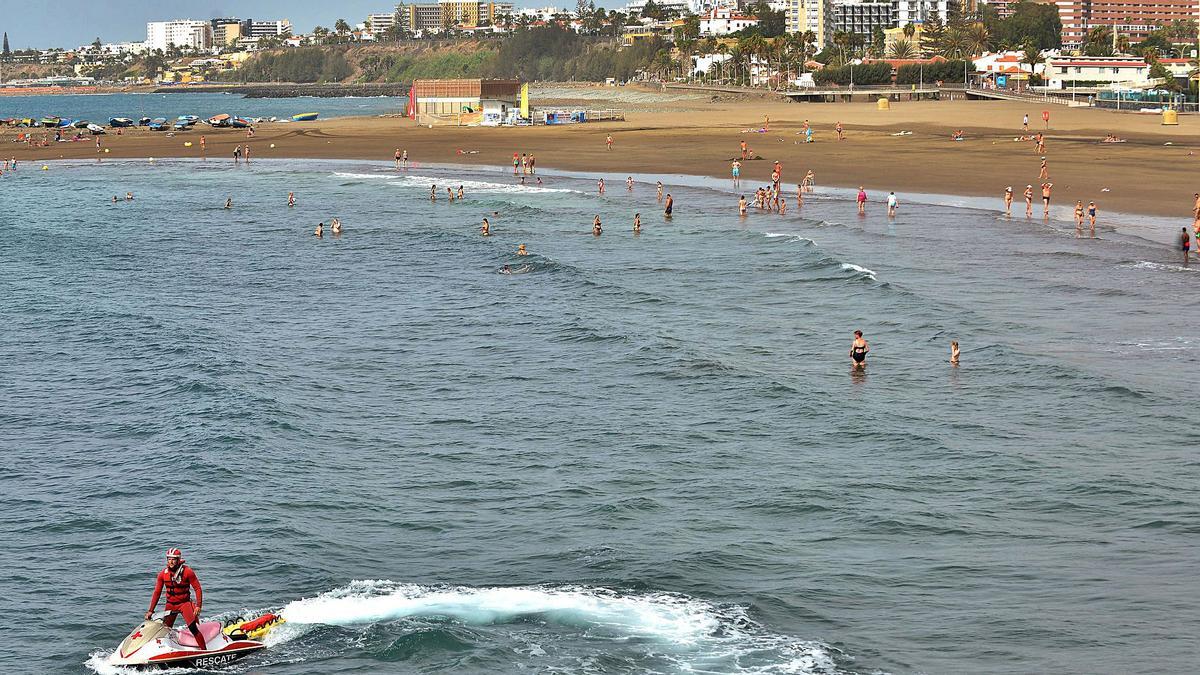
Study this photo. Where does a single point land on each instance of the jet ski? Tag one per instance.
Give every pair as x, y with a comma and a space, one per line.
153, 645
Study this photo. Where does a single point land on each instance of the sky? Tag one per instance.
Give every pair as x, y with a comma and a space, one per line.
77, 22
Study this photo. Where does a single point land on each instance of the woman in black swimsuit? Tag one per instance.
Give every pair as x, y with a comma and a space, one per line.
858, 350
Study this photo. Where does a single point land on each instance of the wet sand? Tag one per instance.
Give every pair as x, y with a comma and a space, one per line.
700, 137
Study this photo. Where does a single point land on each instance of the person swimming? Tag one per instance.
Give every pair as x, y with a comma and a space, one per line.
858, 350
320, 231
506, 270
336, 226
521, 250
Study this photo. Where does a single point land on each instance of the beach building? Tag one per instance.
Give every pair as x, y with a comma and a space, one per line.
1068, 72
725, 20
862, 17
1132, 18
179, 33
463, 102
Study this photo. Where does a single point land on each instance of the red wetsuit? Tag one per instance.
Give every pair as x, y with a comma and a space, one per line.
179, 587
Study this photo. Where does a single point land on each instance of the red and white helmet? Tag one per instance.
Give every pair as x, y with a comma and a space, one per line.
174, 553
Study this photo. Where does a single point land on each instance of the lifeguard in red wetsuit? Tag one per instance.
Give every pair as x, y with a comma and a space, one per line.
178, 580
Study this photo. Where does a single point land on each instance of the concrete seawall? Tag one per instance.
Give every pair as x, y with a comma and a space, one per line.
292, 90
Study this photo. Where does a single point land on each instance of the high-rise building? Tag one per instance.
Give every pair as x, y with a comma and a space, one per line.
815, 16
225, 32
862, 17
1132, 18
260, 29
178, 33
920, 11
433, 17
378, 23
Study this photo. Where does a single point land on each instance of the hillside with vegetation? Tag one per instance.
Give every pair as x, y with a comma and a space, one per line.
544, 53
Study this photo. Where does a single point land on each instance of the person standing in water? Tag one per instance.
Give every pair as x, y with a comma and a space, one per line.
229, 203
858, 351
600, 186
629, 183
954, 352
1091, 214
320, 231
1185, 243
637, 223
597, 230
737, 173
862, 200
291, 199
1046, 198
1008, 197
1028, 201
669, 205
397, 158
486, 229
1078, 216
433, 192
660, 190
520, 248
891, 204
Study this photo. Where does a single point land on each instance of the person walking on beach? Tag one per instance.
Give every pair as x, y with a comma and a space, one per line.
608, 141
237, 154
1046, 199
247, 153
404, 159
1040, 143
1028, 201
397, 158
1045, 172
1078, 216
891, 205
743, 144
1025, 122
838, 128
862, 200
1008, 197
202, 148
669, 205
858, 351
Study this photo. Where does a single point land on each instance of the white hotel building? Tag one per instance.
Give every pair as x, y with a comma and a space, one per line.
179, 32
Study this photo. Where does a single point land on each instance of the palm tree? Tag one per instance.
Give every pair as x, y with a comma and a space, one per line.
1032, 57
978, 38
723, 50
955, 43
841, 39
902, 49
341, 27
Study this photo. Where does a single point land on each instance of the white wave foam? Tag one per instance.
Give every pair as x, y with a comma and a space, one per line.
790, 237
469, 186
660, 616
851, 267
1147, 265
98, 662
695, 635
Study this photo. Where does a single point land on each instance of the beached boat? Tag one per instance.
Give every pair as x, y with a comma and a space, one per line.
158, 124
51, 121
120, 122
81, 124
239, 122
221, 120
144, 122
96, 129
190, 119
304, 117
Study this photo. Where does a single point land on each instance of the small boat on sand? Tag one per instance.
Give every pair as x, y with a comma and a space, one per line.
120, 122
221, 120
304, 117
239, 122
158, 124
144, 122
96, 129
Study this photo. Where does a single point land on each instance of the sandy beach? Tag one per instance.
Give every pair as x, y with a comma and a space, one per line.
1153, 173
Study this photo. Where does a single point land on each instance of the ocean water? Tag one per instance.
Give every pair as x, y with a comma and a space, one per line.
644, 455
99, 108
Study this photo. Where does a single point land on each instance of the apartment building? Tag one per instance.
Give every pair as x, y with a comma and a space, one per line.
1132, 18
862, 17
179, 33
